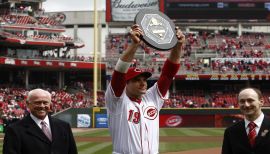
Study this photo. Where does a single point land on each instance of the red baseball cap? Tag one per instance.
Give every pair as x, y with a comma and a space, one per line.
133, 72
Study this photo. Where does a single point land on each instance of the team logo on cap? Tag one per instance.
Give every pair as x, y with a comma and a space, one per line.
150, 113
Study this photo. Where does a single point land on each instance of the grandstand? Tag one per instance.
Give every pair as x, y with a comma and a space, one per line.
227, 48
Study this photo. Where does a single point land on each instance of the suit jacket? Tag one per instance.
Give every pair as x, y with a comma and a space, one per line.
236, 140
26, 137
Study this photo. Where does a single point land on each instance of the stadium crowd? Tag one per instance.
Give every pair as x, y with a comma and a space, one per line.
203, 99
228, 53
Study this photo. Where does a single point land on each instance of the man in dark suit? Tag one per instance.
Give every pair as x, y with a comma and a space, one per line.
38, 132
251, 135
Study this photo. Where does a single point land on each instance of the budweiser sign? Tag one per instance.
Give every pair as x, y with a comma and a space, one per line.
125, 10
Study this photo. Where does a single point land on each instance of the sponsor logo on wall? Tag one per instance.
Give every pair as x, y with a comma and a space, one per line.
173, 121
9, 61
101, 121
83, 121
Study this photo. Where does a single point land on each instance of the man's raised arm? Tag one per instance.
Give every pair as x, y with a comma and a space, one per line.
172, 64
118, 82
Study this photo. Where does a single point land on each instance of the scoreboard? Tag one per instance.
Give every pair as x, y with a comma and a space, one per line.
218, 9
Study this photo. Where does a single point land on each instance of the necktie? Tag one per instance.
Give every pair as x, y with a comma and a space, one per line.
46, 130
252, 133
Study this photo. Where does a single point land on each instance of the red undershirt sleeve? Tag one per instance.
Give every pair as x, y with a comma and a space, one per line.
169, 70
118, 83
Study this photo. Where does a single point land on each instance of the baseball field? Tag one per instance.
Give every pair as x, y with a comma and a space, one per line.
172, 140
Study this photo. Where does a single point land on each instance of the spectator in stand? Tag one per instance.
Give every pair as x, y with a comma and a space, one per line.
38, 132
250, 135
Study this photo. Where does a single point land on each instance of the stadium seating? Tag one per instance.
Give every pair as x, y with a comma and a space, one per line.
204, 98
229, 54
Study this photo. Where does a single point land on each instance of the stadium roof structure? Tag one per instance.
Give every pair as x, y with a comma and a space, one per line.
24, 25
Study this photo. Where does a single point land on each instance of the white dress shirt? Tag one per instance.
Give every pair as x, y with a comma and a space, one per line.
38, 121
258, 123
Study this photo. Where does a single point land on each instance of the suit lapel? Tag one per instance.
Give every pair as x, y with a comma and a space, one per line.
53, 129
242, 135
263, 132
33, 129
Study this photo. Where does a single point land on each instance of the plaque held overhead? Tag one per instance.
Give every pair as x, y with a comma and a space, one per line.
159, 30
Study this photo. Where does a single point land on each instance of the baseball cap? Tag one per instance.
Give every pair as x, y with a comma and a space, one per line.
133, 72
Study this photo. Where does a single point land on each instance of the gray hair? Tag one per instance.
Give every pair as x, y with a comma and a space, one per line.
37, 91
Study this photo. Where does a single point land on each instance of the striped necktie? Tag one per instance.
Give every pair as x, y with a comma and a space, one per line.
252, 133
46, 130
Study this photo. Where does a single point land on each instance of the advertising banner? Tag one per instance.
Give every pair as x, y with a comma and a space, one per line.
101, 121
48, 63
223, 77
83, 121
125, 10
1, 128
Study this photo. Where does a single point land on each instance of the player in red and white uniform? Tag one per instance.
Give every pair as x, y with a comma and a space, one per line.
133, 110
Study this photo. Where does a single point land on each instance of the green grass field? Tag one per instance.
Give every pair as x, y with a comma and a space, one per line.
106, 147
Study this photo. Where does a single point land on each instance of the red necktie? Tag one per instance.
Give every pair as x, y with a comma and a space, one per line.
46, 130
252, 133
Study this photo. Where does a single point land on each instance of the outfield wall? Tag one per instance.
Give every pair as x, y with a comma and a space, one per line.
212, 117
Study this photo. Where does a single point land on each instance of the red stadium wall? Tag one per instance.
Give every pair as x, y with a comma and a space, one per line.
168, 117
200, 117
172, 120
215, 120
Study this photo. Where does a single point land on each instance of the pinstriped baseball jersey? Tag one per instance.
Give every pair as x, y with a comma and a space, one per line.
134, 126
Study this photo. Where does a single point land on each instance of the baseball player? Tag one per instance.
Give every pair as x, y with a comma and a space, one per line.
133, 110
